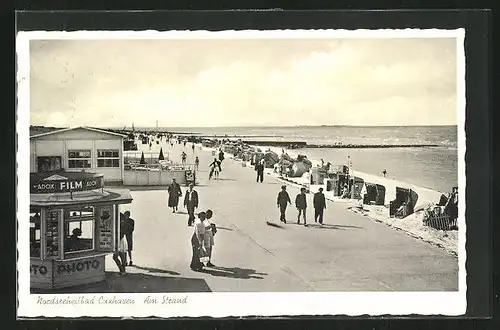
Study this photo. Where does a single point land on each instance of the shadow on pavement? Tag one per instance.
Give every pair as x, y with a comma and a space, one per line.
137, 283
145, 188
338, 227
235, 272
224, 228
181, 212
272, 224
223, 179
155, 270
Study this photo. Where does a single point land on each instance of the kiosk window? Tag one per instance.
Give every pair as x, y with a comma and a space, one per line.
52, 234
49, 164
108, 158
79, 230
79, 159
35, 233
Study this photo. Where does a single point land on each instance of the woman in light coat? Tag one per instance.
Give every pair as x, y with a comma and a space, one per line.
209, 237
198, 243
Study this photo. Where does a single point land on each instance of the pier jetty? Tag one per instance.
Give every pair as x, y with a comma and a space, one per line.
302, 144
372, 146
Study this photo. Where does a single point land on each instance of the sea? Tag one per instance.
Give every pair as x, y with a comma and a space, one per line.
429, 167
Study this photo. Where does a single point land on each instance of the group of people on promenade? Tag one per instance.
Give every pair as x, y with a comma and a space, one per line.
319, 204
202, 239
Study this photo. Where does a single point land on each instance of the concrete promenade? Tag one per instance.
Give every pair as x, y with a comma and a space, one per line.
349, 253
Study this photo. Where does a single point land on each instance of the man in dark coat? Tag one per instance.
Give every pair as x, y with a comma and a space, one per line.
282, 201
260, 171
128, 230
319, 203
191, 203
221, 158
301, 205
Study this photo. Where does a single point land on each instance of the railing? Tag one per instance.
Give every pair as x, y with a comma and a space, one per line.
440, 221
156, 174
149, 157
162, 166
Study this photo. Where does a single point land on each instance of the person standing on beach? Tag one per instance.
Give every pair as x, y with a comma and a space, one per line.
128, 228
191, 202
174, 192
260, 171
301, 205
282, 201
192, 147
384, 172
319, 203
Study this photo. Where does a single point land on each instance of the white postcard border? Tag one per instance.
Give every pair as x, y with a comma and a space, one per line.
229, 304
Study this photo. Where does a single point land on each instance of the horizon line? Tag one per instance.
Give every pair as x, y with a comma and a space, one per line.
278, 126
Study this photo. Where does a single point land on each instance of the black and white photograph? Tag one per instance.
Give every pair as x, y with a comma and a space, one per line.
236, 173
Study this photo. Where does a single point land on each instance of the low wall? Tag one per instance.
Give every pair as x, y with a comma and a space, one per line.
153, 178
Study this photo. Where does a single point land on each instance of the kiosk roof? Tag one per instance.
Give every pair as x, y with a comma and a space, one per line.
93, 197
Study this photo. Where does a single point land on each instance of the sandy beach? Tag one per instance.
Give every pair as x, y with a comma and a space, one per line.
255, 252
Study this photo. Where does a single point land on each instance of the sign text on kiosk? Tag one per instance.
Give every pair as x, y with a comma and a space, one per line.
63, 184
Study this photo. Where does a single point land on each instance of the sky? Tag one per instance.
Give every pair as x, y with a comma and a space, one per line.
243, 82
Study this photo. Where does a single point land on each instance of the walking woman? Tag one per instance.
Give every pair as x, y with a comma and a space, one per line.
198, 242
210, 231
174, 192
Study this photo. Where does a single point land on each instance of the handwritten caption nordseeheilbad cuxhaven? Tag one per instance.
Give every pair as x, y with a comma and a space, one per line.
113, 300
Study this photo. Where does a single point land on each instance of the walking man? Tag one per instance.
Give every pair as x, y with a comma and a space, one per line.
196, 163
301, 205
260, 171
128, 227
319, 203
183, 158
282, 201
191, 203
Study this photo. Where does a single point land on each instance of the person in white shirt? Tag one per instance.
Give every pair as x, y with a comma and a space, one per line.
198, 244
120, 255
209, 237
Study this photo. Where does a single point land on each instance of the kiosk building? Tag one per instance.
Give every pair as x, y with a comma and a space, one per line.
74, 224
78, 149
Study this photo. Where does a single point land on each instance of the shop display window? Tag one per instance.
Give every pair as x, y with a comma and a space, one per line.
52, 234
79, 227
79, 159
49, 164
35, 234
